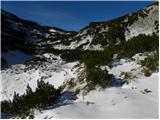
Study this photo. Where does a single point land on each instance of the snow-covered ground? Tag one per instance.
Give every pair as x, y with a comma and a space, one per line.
113, 102
138, 99
16, 78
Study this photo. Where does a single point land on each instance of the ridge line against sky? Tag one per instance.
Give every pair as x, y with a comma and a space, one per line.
71, 15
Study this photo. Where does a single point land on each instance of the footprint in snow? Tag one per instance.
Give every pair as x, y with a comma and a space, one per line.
125, 97
146, 91
89, 103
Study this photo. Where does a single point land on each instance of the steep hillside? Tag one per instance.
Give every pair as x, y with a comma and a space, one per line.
97, 35
28, 37
22, 37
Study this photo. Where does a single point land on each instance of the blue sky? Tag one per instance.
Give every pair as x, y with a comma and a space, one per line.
70, 15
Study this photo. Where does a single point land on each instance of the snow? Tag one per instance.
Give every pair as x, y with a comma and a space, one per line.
17, 82
127, 66
128, 101
112, 103
87, 39
94, 47
52, 30
16, 78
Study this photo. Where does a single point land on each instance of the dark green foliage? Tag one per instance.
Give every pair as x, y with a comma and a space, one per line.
49, 49
114, 33
72, 55
151, 62
44, 95
104, 57
125, 49
96, 76
100, 39
6, 106
65, 39
139, 44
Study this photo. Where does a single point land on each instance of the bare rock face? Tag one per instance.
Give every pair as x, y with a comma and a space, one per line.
146, 23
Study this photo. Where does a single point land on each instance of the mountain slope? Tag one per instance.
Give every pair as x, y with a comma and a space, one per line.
130, 101
104, 68
99, 34
24, 36
95, 36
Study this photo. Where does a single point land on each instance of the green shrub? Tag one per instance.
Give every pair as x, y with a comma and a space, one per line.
114, 33
72, 55
151, 62
96, 76
139, 44
44, 95
93, 58
50, 49
125, 49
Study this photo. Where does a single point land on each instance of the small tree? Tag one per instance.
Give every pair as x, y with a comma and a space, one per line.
23, 105
96, 76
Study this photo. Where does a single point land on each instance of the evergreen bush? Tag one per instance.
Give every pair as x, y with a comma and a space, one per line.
44, 95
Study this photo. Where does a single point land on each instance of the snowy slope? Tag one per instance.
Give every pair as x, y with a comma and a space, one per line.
128, 101
17, 77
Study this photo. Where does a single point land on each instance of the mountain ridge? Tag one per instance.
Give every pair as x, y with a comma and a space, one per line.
96, 36
102, 69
